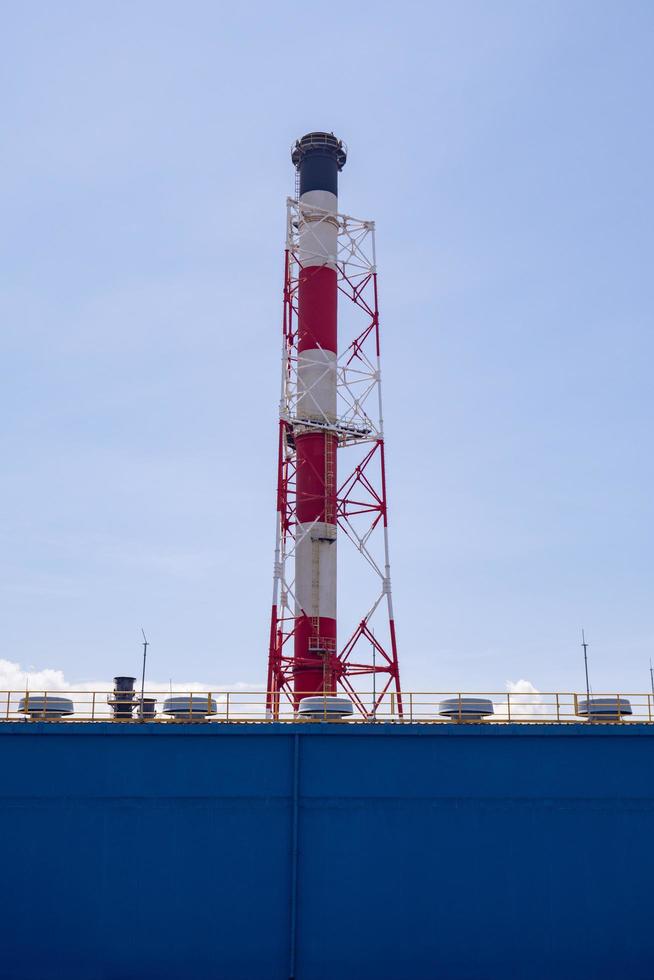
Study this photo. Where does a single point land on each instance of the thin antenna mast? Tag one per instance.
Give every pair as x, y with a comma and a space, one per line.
374, 677
585, 646
651, 674
145, 653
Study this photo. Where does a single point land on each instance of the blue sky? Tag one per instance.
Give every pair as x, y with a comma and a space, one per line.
505, 151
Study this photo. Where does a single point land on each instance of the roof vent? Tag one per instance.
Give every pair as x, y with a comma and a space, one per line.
465, 709
193, 707
45, 706
146, 708
603, 709
122, 697
328, 707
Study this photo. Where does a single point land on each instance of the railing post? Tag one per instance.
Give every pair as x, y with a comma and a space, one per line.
558, 708
8, 703
508, 705
649, 706
93, 708
227, 707
411, 706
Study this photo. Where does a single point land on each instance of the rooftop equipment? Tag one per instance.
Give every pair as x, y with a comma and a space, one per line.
45, 707
146, 708
193, 707
122, 697
466, 709
604, 709
329, 708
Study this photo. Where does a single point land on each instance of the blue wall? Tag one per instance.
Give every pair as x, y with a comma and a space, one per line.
423, 851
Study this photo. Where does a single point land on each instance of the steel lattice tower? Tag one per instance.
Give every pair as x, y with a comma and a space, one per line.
330, 411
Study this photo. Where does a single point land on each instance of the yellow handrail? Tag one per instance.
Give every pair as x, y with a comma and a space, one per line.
419, 707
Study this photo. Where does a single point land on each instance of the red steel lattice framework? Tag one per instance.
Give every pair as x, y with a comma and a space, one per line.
359, 501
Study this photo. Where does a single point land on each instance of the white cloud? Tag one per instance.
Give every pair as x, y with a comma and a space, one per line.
14, 678
526, 701
521, 687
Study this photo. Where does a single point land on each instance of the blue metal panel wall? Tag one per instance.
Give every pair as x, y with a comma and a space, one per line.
461, 852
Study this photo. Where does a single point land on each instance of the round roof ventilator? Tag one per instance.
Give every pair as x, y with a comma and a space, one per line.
45, 707
328, 707
603, 709
194, 707
466, 709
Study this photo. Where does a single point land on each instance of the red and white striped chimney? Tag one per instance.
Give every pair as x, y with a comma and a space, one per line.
318, 158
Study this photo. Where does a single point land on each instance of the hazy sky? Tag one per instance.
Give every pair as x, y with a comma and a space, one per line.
506, 152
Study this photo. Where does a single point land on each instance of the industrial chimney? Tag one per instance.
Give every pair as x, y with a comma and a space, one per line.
330, 402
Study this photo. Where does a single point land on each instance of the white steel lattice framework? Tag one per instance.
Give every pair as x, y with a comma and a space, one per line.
359, 497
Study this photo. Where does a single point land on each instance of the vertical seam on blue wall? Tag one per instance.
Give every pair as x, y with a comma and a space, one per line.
294, 854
